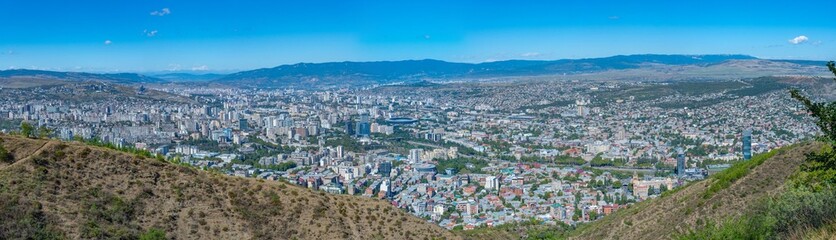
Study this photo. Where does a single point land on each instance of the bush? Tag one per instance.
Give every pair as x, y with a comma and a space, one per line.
24, 219
796, 210
153, 234
819, 171
5, 156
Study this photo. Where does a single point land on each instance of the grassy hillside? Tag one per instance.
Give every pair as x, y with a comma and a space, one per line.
63, 190
691, 211
703, 205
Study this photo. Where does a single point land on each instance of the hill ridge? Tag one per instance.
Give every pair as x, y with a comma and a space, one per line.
383, 72
71, 190
689, 208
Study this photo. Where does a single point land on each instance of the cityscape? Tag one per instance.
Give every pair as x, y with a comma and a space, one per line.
462, 163
417, 120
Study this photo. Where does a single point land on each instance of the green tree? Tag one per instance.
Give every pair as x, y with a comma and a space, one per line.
44, 132
821, 167
825, 113
577, 215
26, 129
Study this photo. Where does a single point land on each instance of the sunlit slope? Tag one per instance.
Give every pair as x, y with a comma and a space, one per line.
63, 190
695, 205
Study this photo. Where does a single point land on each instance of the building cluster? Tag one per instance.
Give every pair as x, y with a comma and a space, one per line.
461, 161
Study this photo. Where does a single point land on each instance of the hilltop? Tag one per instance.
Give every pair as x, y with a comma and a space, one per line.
56, 190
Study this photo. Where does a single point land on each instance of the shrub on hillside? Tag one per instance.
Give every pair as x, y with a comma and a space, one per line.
781, 217
5, 155
153, 234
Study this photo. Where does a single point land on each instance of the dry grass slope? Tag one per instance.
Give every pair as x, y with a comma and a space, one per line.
69, 190
687, 209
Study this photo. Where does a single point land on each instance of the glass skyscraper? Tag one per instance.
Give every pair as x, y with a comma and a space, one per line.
680, 162
349, 128
363, 126
747, 144
242, 124
384, 169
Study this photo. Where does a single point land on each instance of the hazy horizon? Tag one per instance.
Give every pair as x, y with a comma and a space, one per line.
160, 36
229, 71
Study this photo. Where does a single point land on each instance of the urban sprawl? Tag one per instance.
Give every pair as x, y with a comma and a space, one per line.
560, 154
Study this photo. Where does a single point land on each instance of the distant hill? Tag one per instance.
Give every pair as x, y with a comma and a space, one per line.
63, 190
188, 77
364, 73
88, 91
358, 74
20, 77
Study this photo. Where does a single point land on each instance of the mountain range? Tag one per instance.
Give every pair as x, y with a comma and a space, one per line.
353, 74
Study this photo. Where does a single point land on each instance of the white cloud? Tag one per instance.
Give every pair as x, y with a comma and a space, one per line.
799, 40
161, 12
151, 33
107, 42
614, 17
174, 67
427, 36
200, 68
531, 54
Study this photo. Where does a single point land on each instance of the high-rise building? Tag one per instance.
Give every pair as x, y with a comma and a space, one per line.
491, 183
582, 110
680, 162
242, 124
415, 155
364, 128
747, 144
340, 152
384, 169
386, 188
228, 134
349, 128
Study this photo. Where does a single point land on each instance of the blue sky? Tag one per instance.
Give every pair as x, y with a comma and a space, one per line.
183, 35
